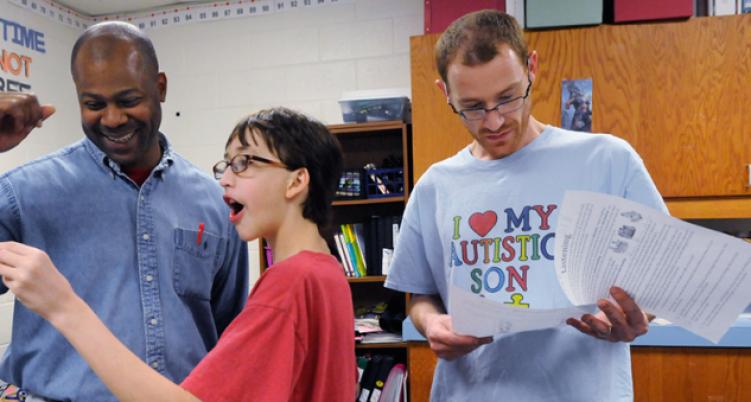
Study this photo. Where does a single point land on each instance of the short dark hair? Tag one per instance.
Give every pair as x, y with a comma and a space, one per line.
117, 31
299, 141
474, 39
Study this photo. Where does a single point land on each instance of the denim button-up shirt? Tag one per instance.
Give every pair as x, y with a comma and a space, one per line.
133, 254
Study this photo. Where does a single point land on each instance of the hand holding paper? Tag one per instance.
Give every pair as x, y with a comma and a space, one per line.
621, 321
475, 315
446, 343
695, 277
687, 274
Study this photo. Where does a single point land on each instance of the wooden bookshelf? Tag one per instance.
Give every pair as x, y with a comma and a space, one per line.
388, 345
370, 201
368, 279
365, 143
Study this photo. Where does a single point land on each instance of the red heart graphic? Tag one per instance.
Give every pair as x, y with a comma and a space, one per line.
481, 223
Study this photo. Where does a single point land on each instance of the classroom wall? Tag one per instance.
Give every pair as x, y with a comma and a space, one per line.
220, 71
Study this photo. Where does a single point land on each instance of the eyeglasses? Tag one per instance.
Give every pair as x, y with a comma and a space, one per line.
505, 107
239, 163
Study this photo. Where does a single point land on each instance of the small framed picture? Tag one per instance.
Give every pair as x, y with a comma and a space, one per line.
576, 105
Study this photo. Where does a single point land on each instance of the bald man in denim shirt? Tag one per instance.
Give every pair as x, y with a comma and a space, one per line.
142, 235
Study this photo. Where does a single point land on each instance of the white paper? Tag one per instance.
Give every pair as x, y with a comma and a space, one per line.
478, 316
692, 276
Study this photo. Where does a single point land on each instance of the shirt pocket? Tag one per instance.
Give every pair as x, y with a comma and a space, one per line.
195, 264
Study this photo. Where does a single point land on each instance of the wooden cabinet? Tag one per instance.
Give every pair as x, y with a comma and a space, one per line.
691, 374
659, 373
422, 363
677, 91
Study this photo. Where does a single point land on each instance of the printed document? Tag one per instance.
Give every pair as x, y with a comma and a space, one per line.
692, 276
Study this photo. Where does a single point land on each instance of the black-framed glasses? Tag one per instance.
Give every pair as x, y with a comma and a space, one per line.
505, 107
239, 163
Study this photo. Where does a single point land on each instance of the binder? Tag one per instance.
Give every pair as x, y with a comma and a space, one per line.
395, 389
396, 223
362, 363
369, 377
358, 231
380, 379
372, 249
347, 258
385, 232
342, 255
354, 250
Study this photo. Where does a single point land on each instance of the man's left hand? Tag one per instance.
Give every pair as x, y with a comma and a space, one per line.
621, 322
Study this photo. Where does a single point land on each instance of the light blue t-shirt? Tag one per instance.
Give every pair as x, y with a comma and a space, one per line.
493, 222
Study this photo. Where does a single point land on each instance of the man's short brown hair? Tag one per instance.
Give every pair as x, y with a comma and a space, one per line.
475, 37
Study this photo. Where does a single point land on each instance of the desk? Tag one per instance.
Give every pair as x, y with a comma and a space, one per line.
668, 364
738, 336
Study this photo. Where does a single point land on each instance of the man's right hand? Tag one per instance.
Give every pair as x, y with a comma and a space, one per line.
19, 114
447, 344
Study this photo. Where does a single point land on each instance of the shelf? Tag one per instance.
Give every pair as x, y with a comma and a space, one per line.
390, 345
350, 128
367, 201
710, 208
367, 279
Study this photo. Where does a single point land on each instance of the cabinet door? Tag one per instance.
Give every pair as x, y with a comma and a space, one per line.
679, 92
694, 106
437, 132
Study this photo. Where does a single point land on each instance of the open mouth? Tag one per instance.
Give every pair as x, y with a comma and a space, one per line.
235, 207
121, 139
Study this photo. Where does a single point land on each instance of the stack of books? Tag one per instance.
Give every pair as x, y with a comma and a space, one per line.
365, 248
381, 379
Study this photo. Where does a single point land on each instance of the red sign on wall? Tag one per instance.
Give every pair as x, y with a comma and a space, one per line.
440, 13
640, 10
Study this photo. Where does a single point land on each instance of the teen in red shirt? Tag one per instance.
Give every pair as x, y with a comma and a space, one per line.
293, 341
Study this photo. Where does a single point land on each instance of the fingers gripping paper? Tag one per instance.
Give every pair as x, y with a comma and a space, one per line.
692, 276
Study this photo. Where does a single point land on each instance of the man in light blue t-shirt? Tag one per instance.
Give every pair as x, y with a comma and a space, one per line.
488, 214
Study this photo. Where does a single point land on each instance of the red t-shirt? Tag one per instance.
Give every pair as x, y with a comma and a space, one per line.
293, 341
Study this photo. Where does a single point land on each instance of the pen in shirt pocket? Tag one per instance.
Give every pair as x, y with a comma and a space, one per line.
200, 233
